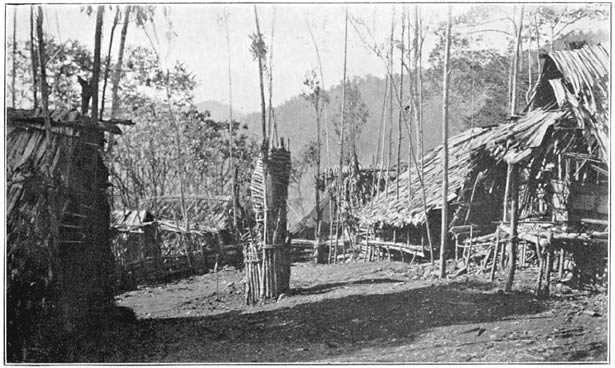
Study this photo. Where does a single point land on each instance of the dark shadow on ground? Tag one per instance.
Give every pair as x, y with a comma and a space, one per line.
316, 330
321, 289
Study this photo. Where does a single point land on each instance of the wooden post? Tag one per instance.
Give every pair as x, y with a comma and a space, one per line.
541, 267
495, 254
469, 250
512, 244
549, 268
562, 257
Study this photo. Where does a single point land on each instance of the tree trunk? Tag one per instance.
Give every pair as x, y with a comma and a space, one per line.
230, 127
444, 226
340, 178
42, 62
391, 86
529, 70
401, 109
108, 63
515, 67
419, 84
33, 58
96, 66
14, 71
273, 130
262, 89
117, 73
317, 235
512, 244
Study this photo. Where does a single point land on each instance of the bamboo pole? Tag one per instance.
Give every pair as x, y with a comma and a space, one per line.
444, 212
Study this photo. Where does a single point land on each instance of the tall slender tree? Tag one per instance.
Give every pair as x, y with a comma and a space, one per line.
14, 71
401, 110
96, 66
391, 88
340, 178
117, 73
42, 63
444, 215
108, 62
230, 119
515, 67
34, 59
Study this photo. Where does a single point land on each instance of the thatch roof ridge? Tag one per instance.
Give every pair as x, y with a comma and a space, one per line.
510, 142
583, 68
61, 117
586, 72
204, 211
130, 218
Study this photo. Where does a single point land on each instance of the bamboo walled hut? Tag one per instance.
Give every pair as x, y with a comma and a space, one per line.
59, 259
546, 170
135, 245
200, 242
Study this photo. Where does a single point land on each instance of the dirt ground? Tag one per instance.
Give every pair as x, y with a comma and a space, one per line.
361, 312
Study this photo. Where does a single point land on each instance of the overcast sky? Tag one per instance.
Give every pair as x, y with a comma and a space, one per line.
201, 44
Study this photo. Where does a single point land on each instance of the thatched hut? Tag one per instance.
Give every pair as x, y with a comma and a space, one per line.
559, 149
135, 246
59, 259
207, 240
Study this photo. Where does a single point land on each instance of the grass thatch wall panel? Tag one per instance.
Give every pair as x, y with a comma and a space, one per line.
58, 265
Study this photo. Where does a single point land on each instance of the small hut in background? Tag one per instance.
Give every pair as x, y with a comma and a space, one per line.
59, 259
135, 246
209, 239
339, 229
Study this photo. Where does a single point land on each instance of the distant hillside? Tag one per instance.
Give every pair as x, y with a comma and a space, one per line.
296, 122
218, 110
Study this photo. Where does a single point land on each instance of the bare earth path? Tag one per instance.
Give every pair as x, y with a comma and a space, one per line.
361, 312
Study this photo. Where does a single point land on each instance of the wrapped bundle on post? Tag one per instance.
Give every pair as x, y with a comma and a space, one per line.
267, 257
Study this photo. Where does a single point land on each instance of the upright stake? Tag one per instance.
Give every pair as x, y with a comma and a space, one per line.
512, 244
444, 225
